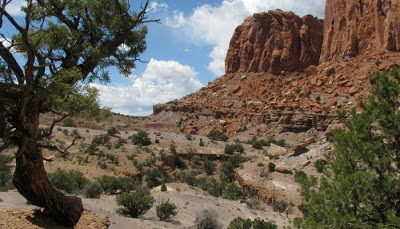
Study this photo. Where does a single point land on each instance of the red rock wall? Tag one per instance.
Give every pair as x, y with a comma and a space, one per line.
353, 26
275, 41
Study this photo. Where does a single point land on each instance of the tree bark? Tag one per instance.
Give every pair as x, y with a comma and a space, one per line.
30, 178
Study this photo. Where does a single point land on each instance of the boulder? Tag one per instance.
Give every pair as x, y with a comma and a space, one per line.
275, 151
283, 168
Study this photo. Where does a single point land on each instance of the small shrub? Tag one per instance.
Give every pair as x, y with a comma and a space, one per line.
230, 149
260, 164
134, 204
216, 135
233, 192
141, 138
79, 179
188, 137
166, 210
271, 167
69, 122
163, 188
112, 131
227, 172
5, 171
93, 190
240, 223
153, 177
172, 148
319, 165
189, 177
61, 180
207, 220
109, 184
157, 141
201, 142
65, 132
209, 167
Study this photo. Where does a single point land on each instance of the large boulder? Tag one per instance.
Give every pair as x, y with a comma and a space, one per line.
275, 41
353, 26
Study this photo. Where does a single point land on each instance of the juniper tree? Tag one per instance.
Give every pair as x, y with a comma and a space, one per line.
360, 186
63, 46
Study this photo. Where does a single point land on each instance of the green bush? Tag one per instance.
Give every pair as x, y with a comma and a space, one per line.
233, 192
271, 167
69, 122
216, 188
201, 143
93, 190
189, 177
227, 172
5, 171
163, 188
112, 131
109, 184
153, 177
141, 138
80, 180
134, 204
166, 210
216, 135
240, 223
61, 180
209, 167
230, 149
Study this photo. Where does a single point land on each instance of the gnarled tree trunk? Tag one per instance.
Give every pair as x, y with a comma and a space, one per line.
30, 178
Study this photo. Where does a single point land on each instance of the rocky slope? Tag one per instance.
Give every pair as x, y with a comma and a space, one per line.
274, 82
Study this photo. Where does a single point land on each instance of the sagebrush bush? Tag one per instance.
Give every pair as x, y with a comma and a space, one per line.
141, 138
165, 210
163, 188
271, 167
209, 167
68, 181
233, 192
134, 204
93, 190
207, 220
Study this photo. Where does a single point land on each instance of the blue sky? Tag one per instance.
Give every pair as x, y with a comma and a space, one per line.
186, 49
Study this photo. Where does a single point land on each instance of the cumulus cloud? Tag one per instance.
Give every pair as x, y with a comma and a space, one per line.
156, 6
215, 25
14, 7
162, 81
177, 19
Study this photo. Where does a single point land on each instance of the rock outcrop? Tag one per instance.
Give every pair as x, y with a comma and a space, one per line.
275, 41
351, 27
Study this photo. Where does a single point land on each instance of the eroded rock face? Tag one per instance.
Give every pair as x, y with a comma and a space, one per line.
352, 26
275, 41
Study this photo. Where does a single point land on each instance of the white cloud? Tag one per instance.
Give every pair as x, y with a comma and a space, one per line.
177, 19
14, 7
156, 6
162, 81
215, 25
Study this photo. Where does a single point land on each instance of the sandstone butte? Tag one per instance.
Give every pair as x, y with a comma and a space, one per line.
295, 72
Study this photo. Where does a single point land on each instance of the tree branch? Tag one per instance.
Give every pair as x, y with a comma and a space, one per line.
53, 147
55, 121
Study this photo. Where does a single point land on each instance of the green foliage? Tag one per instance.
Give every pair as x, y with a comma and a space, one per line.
236, 160
163, 188
319, 165
68, 181
209, 167
134, 204
69, 122
153, 177
217, 135
271, 167
180, 163
112, 131
100, 139
165, 210
233, 192
201, 143
240, 223
361, 188
258, 144
172, 148
227, 171
93, 190
141, 138
216, 188
109, 184
5, 171
230, 149
189, 177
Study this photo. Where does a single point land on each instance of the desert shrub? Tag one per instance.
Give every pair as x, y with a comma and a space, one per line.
207, 220
65, 132
79, 179
108, 145
69, 122
165, 210
189, 177
217, 135
279, 206
196, 160
128, 183
93, 190
112, 131
109, 184
236, 160
59, 129
201, 143
172, 148
257, 144
260, 164
209, 167
92, 149
271, 167
240, 223
61, 180
134, 204
100, 139
163, 188
120, 143
5, 171
75, 133
216, 188
157, 141
114, 159
227, 171
188, 137
319, 165
230, 149
180, 163
233, 192
153, 177
141, 138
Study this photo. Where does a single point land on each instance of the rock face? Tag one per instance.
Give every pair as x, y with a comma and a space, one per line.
352, 26
275, 41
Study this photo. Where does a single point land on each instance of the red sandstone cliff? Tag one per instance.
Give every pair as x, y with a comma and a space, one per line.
275, 41
351, 27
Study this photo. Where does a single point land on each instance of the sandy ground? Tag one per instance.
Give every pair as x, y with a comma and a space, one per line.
189, 201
